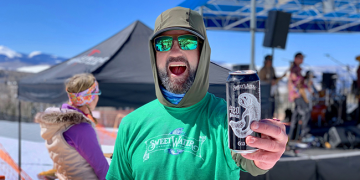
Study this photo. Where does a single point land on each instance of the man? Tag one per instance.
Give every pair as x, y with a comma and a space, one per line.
297, 94
267, 75
183, 133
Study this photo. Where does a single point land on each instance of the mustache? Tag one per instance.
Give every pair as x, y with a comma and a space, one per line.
177, 59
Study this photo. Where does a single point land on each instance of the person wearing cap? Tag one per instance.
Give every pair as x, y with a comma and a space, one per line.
267, 75
183, 133
297, 94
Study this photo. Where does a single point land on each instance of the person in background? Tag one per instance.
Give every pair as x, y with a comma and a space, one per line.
70, 134
297, 94
183, 133
267, 75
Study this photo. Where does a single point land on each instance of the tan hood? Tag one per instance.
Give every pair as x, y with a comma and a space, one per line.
54, 120
186, 19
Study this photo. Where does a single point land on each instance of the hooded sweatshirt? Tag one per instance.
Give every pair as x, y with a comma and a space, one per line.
188, 140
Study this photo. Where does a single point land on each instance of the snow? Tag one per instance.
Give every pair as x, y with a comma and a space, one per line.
33, 69
9, 52
34, 155
34, 53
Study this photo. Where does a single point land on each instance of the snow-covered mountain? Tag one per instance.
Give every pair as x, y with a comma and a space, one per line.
12, 60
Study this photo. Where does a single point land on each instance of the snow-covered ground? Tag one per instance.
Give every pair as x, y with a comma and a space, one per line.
33, 69
34, 155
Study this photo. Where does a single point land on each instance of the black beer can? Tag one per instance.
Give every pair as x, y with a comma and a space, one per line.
243, 108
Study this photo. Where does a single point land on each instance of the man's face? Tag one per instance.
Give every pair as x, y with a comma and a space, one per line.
299, 59
177, 67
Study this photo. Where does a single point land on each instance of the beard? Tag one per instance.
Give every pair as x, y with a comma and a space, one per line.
178, 85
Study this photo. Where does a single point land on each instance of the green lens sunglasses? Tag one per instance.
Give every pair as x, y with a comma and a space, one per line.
186, 42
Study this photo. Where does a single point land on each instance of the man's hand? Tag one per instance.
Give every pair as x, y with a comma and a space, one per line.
271, 145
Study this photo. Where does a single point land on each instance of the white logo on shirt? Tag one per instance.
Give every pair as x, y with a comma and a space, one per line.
174, 143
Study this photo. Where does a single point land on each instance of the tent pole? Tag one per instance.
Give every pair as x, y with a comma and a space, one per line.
19, 106
252, 30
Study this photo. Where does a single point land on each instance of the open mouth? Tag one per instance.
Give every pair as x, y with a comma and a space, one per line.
177, 69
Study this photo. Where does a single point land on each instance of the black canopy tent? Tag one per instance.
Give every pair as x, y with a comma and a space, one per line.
121, 64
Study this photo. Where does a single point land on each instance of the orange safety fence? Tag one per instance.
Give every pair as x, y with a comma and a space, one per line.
102, 129
105, 137
9, 168
109, 119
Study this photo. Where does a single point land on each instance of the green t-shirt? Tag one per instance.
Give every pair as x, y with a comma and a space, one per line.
159, 142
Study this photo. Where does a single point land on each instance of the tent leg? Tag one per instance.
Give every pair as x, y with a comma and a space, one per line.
19, 163
252, 29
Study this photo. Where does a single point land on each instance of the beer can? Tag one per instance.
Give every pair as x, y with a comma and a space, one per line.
243, 108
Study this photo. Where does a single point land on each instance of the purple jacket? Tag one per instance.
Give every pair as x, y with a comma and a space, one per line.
83, 138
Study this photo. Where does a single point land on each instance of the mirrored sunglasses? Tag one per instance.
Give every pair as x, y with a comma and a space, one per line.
165, 43
94, 93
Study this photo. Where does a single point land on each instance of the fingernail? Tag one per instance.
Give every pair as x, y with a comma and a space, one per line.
276, 119
251, 140
255, 125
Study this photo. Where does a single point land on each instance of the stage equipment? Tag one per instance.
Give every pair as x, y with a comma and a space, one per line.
346, 137
277, 28
329, 81
266, 101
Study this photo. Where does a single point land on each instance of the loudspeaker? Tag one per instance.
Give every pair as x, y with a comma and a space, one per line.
266, 101
346, 137
276, 29
329, 81
354, 88
239, 67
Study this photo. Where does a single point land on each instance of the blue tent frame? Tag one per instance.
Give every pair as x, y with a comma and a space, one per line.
307, 15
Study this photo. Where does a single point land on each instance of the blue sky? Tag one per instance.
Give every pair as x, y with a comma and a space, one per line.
67, 28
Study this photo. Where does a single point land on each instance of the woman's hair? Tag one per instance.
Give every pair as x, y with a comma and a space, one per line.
79, 83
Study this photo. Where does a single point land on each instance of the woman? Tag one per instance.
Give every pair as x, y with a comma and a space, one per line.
70, 135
